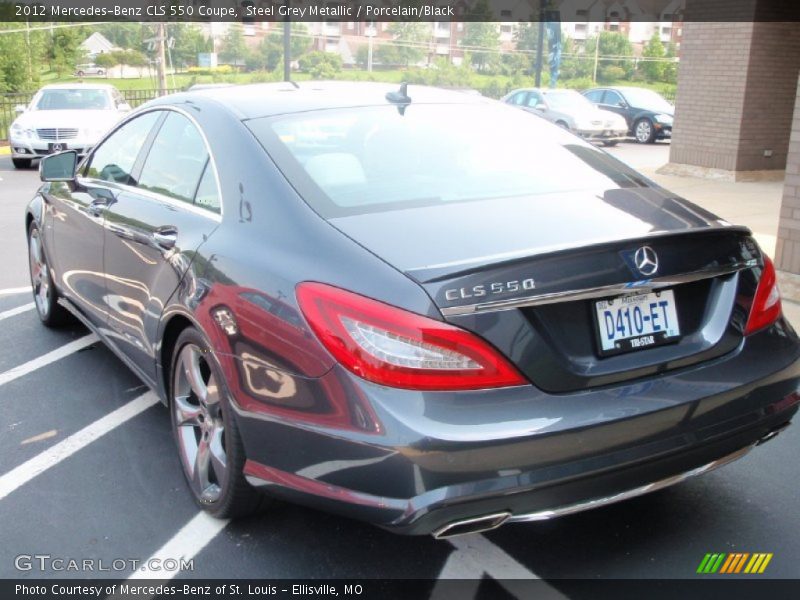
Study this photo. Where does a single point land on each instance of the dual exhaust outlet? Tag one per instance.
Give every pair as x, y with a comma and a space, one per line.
495, 520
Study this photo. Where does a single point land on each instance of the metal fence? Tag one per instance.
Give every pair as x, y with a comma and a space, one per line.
8, 102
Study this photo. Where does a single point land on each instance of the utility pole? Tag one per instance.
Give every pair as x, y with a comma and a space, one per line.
370, 33
540, 44
596, 56
287, 50
161, 59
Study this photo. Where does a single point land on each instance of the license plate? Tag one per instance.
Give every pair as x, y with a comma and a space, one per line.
56, 147
637, 321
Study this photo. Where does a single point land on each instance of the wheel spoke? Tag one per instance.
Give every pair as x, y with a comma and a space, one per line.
201, 464
190, 359
218, 458
186, 412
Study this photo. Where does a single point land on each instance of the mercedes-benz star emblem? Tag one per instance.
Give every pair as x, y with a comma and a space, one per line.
646, 260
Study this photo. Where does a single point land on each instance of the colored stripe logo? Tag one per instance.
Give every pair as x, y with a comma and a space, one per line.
734, 563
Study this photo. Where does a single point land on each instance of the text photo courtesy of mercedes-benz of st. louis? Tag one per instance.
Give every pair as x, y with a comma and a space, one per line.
468, 315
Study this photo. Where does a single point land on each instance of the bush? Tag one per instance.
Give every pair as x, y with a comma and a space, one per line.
321, 65
611, 73
221, 70
580, 83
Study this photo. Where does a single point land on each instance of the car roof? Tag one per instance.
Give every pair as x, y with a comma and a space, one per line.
269, 99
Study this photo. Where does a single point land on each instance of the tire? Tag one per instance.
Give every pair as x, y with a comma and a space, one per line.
609, 144
79, 73
100, 72
21, 163
45, 296
644, 132
202, 417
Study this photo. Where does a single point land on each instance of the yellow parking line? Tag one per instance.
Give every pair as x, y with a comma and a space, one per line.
5, 150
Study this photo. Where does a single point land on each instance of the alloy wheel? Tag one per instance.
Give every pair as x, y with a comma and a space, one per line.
40, 274
643, 131
199, 424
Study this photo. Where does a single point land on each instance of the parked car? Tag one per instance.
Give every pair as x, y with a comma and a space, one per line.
70, 116
89, 69
648, 114
572, 111
415, 307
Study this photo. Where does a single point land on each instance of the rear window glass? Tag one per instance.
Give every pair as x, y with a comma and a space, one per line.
362, 160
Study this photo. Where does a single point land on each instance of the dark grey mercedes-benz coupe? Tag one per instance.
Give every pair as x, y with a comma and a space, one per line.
419, 308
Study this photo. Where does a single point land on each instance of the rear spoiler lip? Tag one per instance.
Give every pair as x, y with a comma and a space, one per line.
446, 271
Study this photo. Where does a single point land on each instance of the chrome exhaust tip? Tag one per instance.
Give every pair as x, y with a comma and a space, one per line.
473, 525
772, 434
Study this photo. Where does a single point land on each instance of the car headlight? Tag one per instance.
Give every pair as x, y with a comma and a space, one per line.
663, 119
17, 130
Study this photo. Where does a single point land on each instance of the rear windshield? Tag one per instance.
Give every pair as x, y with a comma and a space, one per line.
371, 159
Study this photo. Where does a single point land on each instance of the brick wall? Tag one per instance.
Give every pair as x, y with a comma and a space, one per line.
736, 92
787, 255
711, 94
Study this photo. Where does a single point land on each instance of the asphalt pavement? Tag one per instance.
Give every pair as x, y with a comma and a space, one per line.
88, 471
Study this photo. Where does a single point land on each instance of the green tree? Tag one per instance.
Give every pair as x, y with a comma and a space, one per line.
188, 42
482, 36
671, 67
654, 49
411, 38
269, 53
18, 68
612, 44
65, 51
234, 49
574, 64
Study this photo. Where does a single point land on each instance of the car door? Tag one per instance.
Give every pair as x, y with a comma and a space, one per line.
77, 216
153, 231
613, 101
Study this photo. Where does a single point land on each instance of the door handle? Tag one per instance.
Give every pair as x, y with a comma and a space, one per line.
166, 237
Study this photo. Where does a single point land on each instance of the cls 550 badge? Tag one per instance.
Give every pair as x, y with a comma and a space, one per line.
488, 289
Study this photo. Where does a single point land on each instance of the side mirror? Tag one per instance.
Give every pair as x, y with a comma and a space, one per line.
59, 167
124, 107
622, 104
20, 108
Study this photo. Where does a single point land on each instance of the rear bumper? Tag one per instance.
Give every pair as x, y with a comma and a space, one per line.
416, 462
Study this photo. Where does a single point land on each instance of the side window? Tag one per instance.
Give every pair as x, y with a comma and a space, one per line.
518, 98
612, 98
208, 191
534, 98
176, 160
113, 160
595, 96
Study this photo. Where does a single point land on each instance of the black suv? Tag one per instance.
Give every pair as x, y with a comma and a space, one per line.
648, 114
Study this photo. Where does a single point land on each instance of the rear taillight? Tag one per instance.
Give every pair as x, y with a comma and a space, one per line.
397, 348
767, 304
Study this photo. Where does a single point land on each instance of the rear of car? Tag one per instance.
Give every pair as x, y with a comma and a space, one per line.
591, 336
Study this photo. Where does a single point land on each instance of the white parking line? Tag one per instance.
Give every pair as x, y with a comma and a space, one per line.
46, 359
67, 447
12, 312
11, 291
475, 556
186, 544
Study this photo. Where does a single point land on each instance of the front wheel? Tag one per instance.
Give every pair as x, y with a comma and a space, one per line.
21, 163
45, 295
609, 143
644, 132
208, 440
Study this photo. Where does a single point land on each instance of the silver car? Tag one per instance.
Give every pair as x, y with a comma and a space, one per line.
571, 110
